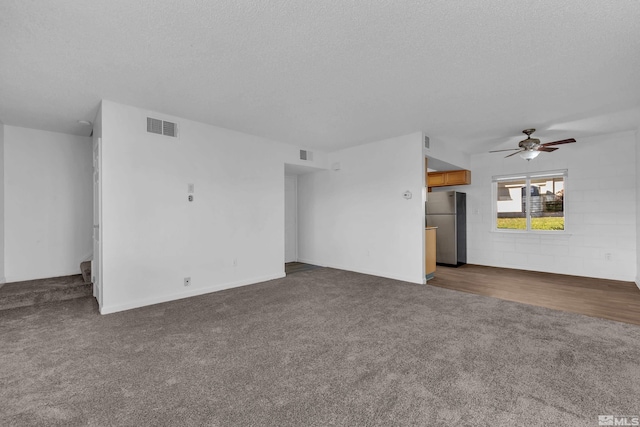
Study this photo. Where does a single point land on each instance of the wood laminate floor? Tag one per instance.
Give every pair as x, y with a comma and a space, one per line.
608, 299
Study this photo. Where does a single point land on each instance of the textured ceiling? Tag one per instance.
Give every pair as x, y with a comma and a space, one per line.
333, 73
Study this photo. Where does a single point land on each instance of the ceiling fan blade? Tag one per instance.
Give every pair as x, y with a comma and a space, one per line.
564, 141
508, 149
513, 154
547, 149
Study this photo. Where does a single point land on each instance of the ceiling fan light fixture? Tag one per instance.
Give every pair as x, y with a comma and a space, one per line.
529, 154
530, 148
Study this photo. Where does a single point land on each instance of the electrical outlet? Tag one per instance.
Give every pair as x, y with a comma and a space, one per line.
187, 281
608, 256
235, 262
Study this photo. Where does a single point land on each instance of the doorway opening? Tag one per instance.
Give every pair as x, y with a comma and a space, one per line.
292, 211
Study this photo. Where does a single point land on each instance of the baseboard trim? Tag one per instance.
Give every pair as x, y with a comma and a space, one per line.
417, 280
638, 281
621, 278
108, 309
310, 261
11, 279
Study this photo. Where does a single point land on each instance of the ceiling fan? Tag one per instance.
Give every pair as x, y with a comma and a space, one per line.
530, 148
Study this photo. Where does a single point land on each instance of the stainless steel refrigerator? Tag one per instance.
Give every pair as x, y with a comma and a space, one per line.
447, 210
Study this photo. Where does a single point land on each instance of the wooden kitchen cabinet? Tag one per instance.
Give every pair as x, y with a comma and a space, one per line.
446, 178
435, 179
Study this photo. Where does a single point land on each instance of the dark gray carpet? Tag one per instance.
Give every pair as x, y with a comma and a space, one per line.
34, 292
297, 267
85, 270
322, 347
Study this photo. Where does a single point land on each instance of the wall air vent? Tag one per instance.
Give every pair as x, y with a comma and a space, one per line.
162, 127
306, 155
426, 142
169, 129
154, 125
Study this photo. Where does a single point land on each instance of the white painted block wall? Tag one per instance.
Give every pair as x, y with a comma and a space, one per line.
47, 196
601, 211
232, 234
356, 219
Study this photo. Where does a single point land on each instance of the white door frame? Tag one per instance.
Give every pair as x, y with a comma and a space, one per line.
96, 262
291, 254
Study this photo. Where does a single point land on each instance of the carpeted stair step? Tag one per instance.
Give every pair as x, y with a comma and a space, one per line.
34, 292
85, 269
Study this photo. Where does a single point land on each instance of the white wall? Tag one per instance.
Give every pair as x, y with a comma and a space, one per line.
447, 153
2, 164
153, 237
356, 218
48, 205
600, 211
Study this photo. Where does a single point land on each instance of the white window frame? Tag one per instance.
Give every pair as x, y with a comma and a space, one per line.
527, 177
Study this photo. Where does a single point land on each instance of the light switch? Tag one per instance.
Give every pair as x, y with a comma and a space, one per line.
190, 188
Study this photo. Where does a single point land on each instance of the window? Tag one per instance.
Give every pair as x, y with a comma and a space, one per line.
530, 202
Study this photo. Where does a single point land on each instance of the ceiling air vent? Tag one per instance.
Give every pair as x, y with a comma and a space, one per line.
306, 155
162, 127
